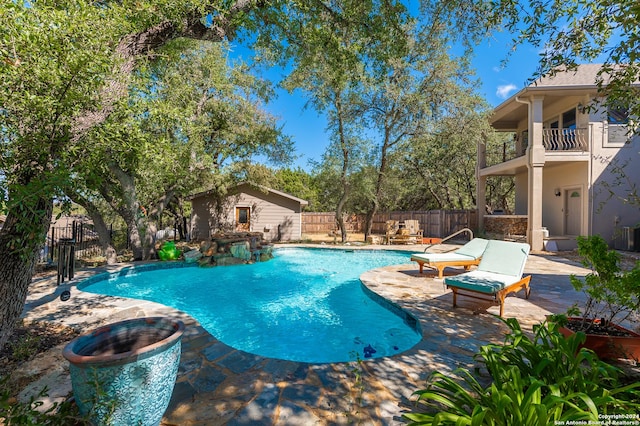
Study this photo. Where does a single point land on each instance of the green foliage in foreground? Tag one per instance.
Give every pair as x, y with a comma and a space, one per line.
535, 380
13, 412
612, 294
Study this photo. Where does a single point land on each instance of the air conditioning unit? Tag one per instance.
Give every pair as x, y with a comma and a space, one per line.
623, 239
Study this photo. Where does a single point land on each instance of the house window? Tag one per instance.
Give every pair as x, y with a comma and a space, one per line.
569, 119
618, 115
617, 131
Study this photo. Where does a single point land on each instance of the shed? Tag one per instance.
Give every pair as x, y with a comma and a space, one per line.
248, 208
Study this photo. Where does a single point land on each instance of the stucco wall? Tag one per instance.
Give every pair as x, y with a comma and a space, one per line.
606, 206
614, 169
521, 183
562, 177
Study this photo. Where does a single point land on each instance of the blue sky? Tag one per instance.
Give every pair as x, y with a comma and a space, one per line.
498, 82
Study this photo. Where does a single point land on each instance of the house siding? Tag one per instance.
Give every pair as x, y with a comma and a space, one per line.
203, 221
276, 216
270, 212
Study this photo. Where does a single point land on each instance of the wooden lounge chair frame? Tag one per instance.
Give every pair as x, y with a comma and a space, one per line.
439, 266
502, 262
498, 297
467, 263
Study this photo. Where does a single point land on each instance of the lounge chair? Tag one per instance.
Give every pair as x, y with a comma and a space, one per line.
415, 232
392, 227
467, 256
498, 274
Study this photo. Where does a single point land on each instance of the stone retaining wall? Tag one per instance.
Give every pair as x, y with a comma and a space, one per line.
506, 224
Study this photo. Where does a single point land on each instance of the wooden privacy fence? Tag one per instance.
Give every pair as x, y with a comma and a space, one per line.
435, 223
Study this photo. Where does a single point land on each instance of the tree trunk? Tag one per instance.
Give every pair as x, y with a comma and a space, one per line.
340, 216
177, 209
19, 248
368, 223
151, 230
375, 204
153, 217
104, 236
345, 167
130, 210
135, 240
28, 221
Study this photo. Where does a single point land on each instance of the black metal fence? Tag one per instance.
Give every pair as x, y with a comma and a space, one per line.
84, 239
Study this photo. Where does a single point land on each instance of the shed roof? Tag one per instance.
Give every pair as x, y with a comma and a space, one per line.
238, 188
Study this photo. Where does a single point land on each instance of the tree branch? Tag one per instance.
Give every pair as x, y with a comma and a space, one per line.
133, 47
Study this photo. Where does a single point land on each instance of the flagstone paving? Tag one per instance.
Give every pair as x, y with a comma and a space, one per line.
219, 385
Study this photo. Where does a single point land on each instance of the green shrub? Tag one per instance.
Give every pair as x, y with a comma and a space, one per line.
612, 294
16, 413
532, 381
25, 347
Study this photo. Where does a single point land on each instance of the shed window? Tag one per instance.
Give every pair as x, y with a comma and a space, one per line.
243, 215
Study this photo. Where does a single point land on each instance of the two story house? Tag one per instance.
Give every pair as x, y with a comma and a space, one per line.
573, 166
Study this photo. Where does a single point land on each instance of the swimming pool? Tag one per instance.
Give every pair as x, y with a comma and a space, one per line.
305, 305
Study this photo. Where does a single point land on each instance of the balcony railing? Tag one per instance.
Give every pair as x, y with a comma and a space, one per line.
565, 139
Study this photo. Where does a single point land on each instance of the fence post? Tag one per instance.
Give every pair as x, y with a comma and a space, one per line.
51, 245
66, 259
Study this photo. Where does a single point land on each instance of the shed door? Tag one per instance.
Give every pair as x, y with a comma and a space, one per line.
573, 211
243, 219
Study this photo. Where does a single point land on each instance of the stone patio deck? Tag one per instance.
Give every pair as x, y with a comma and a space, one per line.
219, 385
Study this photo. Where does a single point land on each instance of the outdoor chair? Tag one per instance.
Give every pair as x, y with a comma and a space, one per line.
391, 229
466, 256
415, 233
498, 274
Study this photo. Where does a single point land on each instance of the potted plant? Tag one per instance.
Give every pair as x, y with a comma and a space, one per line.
124, 373
613, 295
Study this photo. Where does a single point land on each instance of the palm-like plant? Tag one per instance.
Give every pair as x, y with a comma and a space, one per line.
542, 380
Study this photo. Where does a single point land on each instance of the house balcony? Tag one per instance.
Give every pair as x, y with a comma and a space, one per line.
561, 145
565, 139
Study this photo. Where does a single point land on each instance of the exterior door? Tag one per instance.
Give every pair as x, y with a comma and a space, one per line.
243, 219
573, 211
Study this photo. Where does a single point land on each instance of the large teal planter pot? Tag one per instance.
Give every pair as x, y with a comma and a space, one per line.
124, 373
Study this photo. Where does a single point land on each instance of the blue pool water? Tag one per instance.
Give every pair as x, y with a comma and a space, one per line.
304, 305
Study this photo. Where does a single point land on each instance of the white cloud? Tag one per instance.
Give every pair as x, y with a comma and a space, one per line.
504, 90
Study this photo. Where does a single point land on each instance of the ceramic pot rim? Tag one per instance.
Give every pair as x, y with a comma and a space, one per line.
632, 334
120, 358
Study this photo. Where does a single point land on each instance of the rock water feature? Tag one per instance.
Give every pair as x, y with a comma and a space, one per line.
232, 249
